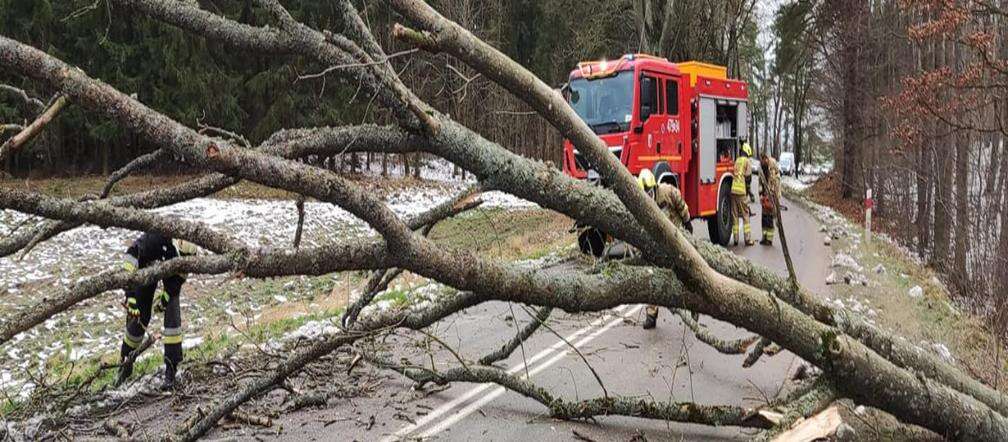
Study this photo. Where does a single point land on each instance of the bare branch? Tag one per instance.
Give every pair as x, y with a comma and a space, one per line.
105, 215
526, 332
10, 127
703, 334
33, 103
138, 163
299, 204
606, 406
17, 141
91, 287
330, 69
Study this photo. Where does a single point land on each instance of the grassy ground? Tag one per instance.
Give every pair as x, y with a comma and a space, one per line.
246, 315
927, 320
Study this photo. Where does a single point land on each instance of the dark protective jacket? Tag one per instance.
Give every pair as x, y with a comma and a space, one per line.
148, 249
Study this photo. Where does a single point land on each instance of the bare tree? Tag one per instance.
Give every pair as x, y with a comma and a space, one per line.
858, 361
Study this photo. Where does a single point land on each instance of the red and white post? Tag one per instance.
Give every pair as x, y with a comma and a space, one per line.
869, 204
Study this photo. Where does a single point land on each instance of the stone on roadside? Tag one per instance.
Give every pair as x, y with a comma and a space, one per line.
827, 240
846, 261
879, 269
852, 278
916, 292
832, 279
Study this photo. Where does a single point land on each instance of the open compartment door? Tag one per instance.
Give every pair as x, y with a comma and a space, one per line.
708, 140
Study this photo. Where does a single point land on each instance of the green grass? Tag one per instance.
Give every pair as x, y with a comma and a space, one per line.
9, 407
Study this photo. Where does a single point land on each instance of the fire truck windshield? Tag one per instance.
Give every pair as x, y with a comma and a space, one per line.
606, 104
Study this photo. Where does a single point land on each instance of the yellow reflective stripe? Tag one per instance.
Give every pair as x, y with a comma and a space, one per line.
172, 339
130, 263
130, 341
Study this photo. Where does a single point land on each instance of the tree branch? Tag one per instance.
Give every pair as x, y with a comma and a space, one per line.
526, 332
34, 104
21, 138
716, 415
703, 334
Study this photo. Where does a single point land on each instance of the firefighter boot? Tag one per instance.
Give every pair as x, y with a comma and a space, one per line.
125, 367
169, 383
650, 317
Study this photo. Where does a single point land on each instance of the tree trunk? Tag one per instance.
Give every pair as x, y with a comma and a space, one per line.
943, 188
852, 29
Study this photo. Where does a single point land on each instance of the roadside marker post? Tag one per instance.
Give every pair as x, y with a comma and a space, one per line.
869, 204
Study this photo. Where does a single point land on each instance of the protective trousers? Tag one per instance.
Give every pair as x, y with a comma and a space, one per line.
740, 209
136, 326
768, 220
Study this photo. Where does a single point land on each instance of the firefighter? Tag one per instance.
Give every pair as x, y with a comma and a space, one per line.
749, 181
740, 203
147, 250
670, 201
769, 189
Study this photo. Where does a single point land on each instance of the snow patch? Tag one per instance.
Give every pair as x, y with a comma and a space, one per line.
943, 352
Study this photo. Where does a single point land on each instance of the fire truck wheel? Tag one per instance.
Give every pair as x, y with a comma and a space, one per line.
719, 225
592, 242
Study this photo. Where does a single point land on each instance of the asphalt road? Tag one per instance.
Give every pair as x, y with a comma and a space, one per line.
666, 364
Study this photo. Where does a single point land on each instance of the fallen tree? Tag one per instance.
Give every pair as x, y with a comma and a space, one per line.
857, 360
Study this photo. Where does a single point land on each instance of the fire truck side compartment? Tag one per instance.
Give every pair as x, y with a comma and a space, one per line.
708, 140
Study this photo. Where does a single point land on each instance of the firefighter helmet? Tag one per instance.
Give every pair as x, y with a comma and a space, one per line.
747, 149
646, 180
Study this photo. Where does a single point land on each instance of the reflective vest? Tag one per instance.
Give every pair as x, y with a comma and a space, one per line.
738, 179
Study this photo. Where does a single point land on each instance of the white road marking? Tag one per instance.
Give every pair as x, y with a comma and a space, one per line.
496, 391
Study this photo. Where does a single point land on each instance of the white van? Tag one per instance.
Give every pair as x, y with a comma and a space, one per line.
786, 163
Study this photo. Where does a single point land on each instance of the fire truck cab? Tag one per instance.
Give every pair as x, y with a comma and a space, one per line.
684, 121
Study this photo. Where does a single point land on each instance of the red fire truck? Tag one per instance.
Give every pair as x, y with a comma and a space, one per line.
684, 121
